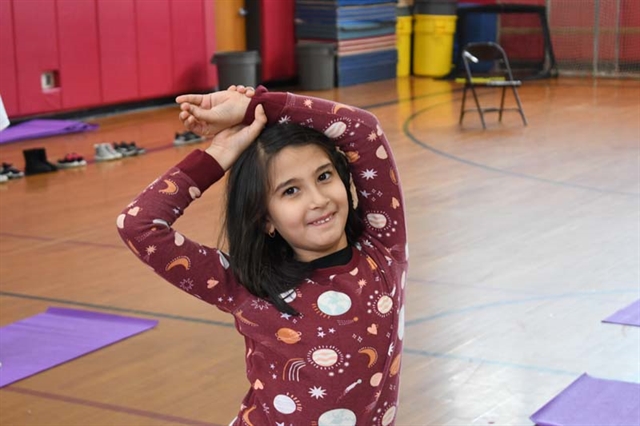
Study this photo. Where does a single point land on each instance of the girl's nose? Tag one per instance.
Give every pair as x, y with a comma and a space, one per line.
318, 198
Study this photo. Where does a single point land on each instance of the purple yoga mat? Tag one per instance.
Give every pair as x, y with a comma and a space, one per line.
58, 335
627, 316
43, 127
589, 402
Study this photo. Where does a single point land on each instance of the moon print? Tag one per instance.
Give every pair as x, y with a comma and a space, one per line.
375, 379
284, 404
334, 303
171, 188
161, 222
120, 221
223, 260
179, 261
336, 130
371, 353
381, 153
338, 107
395, 366
389, 415
384, 305
178, 239
401, 323
341, 416
377, 220
194, 192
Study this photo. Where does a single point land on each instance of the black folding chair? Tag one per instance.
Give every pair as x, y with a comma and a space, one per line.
486, 65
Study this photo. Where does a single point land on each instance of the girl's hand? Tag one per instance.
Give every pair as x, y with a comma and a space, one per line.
228, 144
207, 115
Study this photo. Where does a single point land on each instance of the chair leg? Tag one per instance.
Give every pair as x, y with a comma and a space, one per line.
504, 90
475, 97
464, 98
520, 110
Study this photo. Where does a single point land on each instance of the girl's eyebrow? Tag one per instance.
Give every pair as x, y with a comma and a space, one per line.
292, 180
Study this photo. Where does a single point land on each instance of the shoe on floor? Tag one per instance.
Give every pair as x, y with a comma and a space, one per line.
186, 138
10, 172
71, 160
36, 162
3, 178
125, 149
105, 152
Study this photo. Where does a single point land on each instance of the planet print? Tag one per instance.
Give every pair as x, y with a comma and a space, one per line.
389, 415
377, 220
384, 304
288, 336
340, 416
288, 296
284, 404
325, 357
120, 221
375, 379
194, 192
334, 303
401, 323
336, 130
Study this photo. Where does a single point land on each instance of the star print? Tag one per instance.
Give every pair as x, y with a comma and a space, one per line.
151, 249
274, 376
230, 299
372, 137
284, 119
272, 366
321, 334
317, 392
365, 194
369, 174
285, 316
308, 103
332, 330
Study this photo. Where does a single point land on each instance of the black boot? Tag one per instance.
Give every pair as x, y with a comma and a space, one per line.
36, 162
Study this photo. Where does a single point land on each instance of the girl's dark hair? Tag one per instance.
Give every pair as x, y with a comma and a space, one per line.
266, 266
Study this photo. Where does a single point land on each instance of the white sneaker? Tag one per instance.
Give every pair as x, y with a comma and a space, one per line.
103, 153
4, 178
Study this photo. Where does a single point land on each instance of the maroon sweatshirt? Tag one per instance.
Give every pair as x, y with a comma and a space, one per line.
338, 362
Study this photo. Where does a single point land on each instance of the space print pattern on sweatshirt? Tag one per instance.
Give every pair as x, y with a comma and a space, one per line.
338, 362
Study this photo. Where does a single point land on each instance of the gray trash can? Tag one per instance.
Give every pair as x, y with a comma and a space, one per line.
237, 68
316, 65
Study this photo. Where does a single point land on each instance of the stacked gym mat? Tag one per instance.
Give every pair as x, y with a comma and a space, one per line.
363, 32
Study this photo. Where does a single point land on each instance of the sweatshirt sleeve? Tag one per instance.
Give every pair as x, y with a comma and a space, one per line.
359, 135
146, 223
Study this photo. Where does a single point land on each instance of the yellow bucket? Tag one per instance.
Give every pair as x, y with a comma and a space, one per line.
433, 44
403, 43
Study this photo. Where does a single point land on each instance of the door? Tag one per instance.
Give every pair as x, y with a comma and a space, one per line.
230, 25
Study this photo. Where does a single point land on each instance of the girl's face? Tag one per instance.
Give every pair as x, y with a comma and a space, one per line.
307, 202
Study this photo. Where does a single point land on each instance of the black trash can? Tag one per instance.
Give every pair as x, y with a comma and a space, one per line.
316, 65
237, 68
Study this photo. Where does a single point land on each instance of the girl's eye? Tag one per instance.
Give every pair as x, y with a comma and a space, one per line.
290, 191
324, 176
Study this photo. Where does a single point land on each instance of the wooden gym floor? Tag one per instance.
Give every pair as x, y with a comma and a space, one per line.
522, 240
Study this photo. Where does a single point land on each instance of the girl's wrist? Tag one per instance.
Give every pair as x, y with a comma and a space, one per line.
222, 155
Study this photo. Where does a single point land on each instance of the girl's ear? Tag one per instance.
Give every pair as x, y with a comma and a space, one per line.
270, 229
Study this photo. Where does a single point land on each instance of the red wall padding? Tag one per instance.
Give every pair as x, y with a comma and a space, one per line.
79, 53
8, 77
190, 60
118, 50
155, 71
36, 45
277, 43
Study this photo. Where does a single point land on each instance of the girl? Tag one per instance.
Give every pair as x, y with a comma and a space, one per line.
316, 268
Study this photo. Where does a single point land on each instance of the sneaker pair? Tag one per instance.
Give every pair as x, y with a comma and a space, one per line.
186, 138
71, 160
10, 172
106, 152
128, 149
